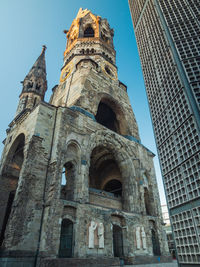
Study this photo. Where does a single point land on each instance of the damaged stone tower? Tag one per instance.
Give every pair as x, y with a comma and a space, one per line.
77, 186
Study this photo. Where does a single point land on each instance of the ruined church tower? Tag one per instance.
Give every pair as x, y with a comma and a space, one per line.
77, 186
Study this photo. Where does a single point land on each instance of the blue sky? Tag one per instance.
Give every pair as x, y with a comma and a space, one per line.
27, 25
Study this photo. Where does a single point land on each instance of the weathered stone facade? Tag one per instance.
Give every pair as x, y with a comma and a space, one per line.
76, 181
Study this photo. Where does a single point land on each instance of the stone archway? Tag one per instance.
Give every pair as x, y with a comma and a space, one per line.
116, 146
103, 168
107, 117
9, 182
15, 158
70, 171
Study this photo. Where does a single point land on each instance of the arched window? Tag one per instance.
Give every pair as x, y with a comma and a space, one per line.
106, 116
66, 239
68, 181
89, 32
15, 158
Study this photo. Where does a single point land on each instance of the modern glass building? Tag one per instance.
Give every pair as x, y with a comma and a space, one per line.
168, 39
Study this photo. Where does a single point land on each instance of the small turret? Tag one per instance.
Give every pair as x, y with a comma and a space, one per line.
34, 84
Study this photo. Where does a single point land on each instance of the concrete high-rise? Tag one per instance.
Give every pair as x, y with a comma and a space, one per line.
168, 39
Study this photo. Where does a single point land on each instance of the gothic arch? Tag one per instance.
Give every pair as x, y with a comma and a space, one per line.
72, 153
9, 182
73, 143
115, 118
15, 157
120, 149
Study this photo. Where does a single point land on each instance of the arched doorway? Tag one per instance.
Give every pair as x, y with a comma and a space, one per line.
117, 241
155, 243
9, 181
66, 239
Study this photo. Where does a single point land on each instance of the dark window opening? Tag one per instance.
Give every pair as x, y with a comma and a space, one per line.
29, 85
117, 241
34, 103
37, 87
107, 69
89, 32
106, 117
66, 239
114, 186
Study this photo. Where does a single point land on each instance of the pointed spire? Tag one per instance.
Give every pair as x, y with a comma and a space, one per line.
40, 62
35, 80
34, 84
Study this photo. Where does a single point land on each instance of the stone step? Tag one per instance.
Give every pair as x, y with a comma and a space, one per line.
73, 262
169, 264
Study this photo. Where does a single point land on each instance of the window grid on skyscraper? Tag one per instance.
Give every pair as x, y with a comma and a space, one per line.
168, 39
